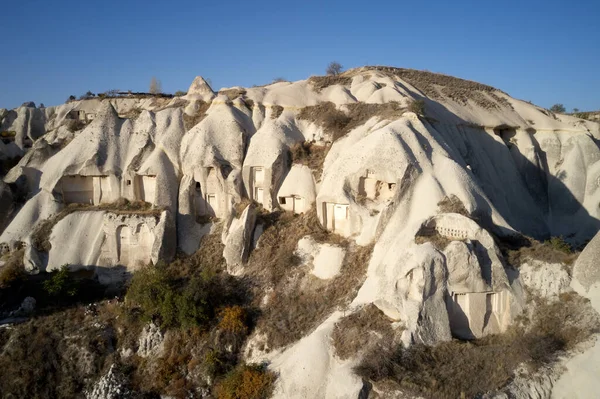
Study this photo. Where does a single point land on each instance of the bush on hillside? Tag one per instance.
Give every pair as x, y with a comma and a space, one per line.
13, 270
61, 284
187, 293
558, 109
418, 107
309, 154
159, 297
554, 250
246, 382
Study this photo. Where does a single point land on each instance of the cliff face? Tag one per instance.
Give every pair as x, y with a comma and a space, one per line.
373, 154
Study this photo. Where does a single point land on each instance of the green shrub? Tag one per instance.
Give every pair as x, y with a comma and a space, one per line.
161, 293
156, 292
61, 284
559, 244
558, 109
180, 93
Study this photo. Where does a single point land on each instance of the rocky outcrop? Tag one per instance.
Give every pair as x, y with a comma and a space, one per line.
113, 385
151, 341
238, 240
324, 260
545, 279
586, 271
513, 166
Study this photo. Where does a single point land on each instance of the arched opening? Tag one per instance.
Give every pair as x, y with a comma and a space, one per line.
505, 132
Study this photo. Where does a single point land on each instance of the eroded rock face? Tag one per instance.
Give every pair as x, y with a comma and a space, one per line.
238, 240
151, 341
513, 166
546, 279
464, 269
586, 271
325, 259
413, 291
118, 243
113, 385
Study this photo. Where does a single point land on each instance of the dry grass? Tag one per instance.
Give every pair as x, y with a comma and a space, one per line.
54, 356
439, 242
338, 124
355, 333
282, 230
189, 121
437, 86
554, 250
249, 103
466, 369
418, 107
453, 204
242, 205
311, 155
74, 125
41, 235
246, 382
299, 301
321, 82
234, 93
13, 270
276, 111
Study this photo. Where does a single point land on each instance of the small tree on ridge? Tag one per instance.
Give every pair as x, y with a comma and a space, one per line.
334, 68
155, 85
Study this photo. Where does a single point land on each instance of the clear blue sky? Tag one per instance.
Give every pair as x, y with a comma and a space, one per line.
543, 51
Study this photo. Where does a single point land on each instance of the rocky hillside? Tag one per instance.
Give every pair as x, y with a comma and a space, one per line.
384, 232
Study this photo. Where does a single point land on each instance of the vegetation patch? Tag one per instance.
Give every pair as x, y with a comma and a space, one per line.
55, 356
61, 284
309, 154
8, 133
553, 250
74, 125
437, 86
276, 111
319, 83
159, 293
453, 204
460, 369
189, 121
204, 312
246, 382
298, 301
439, 241
234, 93
338, 124
355, 333
13, 271
418, 107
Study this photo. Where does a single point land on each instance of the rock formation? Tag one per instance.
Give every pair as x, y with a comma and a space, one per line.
514, 168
